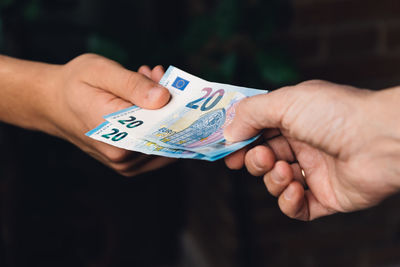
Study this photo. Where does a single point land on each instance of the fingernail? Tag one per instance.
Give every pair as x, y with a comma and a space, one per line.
156, 92
289, 193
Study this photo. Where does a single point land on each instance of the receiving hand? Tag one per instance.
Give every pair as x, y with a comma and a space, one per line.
345, 141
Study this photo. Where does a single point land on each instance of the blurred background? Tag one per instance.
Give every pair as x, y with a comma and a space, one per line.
59, 207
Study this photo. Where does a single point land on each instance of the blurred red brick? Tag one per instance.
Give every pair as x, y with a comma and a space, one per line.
393, 36
353, 42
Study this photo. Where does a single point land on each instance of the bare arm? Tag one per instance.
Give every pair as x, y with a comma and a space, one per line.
69, 100
26, 93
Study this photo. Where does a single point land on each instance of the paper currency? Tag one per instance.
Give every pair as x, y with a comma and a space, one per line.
114, 135
190, 126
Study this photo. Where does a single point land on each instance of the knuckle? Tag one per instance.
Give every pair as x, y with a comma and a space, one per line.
313, 86
252, 168
143, 67
312, 82
233, 162
115, 155
123, 169
135, 81
129, 174
93, 62
88, 57
158, 68
241, 108
268, 185
132, 80
88, 63
247, 107
98, 63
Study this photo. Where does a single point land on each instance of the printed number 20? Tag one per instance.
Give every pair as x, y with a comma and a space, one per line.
210, 96
116, 135
131, 122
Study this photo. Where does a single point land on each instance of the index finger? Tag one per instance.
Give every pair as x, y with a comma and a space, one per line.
256, 113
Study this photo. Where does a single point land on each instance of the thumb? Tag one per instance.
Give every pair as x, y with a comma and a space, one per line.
256, 113
128, 85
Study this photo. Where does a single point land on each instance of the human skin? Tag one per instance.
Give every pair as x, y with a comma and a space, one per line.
346, 141
69, 100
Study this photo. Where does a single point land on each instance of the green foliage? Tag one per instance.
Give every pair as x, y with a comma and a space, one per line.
226, 17
228, 66
275, 67
234, 37
5, 3
32, 10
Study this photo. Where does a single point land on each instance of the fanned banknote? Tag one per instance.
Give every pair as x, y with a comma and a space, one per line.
114, 135
191, 125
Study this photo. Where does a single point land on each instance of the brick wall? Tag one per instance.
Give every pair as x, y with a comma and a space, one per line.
353, 41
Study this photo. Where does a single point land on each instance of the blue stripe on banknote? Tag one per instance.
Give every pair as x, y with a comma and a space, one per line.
120, 112
91, 132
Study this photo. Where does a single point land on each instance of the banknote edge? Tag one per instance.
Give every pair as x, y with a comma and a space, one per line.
93, 131
120, 111
166, 74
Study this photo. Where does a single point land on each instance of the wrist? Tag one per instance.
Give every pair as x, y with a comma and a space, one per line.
26, 93
385, 125
46, 88
385, 109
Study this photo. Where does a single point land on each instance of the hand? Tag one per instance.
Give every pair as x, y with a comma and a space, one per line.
345, 141
89, 87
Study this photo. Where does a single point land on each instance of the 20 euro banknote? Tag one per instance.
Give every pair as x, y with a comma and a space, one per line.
114, 135
193, 120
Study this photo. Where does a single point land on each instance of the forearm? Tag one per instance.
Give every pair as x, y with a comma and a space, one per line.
25, 93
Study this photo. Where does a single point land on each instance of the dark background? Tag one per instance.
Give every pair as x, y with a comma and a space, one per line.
59, 207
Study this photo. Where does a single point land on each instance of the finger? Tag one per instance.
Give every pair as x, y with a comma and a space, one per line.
259, 160
278, 178
134, 164
157, 73
315, 208
114, 103
114, 155
281, 148
131, 86
297, 174
256, 113
271, 133
235, 161
293, 203
126, 163
302, 205
106, 161
145, 70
